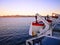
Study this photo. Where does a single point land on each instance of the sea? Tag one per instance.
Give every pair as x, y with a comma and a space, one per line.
15, 30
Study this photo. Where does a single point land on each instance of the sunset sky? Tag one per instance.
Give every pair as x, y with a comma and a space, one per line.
29, 7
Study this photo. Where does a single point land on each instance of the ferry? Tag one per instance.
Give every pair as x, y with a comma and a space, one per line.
42, 30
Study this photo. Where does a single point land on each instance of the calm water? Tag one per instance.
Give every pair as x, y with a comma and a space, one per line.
14, 31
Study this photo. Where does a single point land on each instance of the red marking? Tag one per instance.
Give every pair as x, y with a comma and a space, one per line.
37, 24
49, 21
54, 16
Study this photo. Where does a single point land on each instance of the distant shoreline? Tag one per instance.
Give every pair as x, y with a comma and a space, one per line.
15, 16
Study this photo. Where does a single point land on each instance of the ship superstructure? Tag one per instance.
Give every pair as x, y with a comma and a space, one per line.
41, 28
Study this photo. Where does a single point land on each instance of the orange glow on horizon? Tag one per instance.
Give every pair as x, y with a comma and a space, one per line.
7, 13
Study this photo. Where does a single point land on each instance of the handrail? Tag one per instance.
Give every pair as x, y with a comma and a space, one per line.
56, 22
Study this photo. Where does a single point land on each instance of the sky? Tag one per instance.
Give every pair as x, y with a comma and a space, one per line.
29, 7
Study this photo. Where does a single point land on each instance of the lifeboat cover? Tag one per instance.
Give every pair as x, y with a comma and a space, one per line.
49, 21
40, 23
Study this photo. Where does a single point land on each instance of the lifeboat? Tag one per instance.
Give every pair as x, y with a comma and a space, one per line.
54, 16
36, 27
40, 26
49, 21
